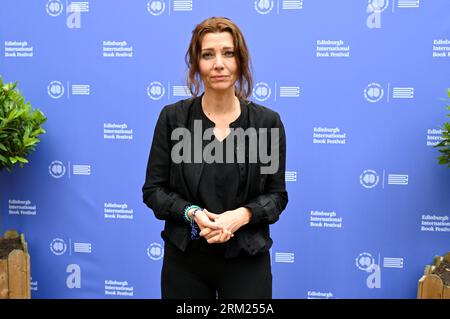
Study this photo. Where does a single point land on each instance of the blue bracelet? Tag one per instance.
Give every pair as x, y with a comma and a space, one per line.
194, 227
186, 210
195, 234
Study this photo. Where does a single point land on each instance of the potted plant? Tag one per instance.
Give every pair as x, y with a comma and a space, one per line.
20, 127
444, 145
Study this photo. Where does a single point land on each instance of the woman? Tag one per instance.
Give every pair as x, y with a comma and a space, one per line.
203, 180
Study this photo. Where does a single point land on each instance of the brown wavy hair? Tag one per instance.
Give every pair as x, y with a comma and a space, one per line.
215, 25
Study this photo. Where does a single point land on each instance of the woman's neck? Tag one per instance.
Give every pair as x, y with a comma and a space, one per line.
220, 103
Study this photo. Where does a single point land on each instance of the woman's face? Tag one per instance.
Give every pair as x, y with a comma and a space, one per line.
218, 67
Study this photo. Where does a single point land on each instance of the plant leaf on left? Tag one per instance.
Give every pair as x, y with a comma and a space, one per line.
20, 126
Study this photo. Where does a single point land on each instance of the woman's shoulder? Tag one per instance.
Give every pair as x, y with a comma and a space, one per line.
181, 106
177, 112
262, 113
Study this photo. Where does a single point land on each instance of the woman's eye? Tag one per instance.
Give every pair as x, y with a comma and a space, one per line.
206, 55
229, 54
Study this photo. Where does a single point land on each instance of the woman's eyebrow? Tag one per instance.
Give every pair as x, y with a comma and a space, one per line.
212, 49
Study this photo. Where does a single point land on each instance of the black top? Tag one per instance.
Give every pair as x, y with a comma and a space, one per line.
170, 185
220, 182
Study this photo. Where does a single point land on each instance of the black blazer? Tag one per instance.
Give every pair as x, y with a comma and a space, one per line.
167, 192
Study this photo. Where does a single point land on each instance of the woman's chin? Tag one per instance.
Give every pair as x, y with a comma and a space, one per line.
221, 87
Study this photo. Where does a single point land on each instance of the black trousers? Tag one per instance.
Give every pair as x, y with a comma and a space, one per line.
196, 274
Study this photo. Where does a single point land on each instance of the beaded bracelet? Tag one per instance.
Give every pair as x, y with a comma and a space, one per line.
186, 210
194, 227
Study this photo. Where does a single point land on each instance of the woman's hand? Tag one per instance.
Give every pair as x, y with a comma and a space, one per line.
231, 221
217, 236
203, 221
213, 235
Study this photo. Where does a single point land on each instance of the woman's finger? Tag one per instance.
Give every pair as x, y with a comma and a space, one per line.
224, 236
203, 220
213, 239
212, 225
205, 231
210, 215
214, 233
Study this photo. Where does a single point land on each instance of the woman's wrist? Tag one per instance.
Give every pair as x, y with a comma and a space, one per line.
247, 215
191, 212
188, 212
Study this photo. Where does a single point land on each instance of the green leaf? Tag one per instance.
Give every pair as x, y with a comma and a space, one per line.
21, 159
19, 113
3, 147
446, 127
12, 115
30, 142
37, 132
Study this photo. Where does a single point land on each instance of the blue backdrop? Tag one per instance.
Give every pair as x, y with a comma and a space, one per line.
357, 84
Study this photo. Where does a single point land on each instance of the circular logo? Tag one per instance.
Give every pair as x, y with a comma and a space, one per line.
55, 89
156, 90
156, 7
369, 178
263, 6
57, 169
58, 246
155, 251
261, 91
373, 92
365, 261
54, 8
378, 5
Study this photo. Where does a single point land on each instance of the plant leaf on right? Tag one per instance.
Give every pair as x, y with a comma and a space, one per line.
444, 144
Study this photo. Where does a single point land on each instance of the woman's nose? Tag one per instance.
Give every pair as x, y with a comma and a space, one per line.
218, 63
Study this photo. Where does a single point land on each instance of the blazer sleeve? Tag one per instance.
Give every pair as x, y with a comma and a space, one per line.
267, 207
157, 195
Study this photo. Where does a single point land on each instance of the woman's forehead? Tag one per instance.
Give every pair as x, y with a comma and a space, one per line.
217, 40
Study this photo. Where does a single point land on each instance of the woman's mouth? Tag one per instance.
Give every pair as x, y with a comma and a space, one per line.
219, 77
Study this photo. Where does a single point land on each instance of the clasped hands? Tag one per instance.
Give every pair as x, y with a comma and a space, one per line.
219, 228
